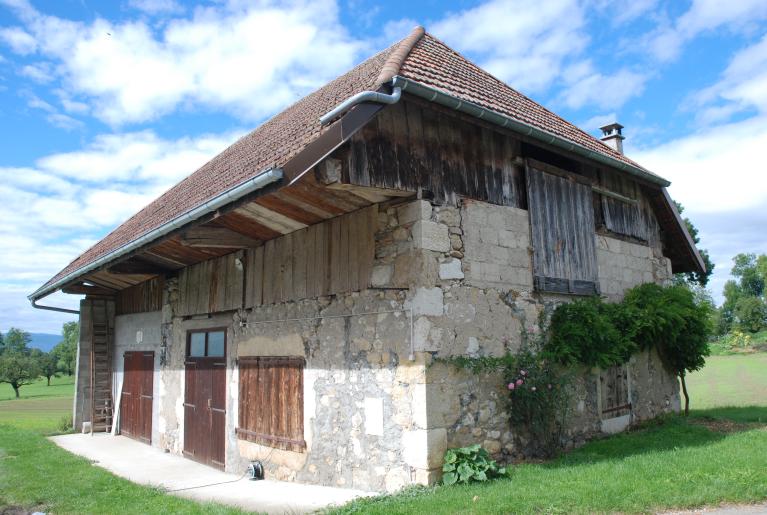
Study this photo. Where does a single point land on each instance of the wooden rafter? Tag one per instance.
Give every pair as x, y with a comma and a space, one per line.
216, 237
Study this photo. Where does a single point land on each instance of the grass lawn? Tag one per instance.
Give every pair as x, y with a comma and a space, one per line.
35, 474
736, 380
60, 387
717, 455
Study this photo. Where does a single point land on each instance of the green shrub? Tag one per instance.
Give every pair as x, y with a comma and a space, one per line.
538, 397
469, 465
590, 332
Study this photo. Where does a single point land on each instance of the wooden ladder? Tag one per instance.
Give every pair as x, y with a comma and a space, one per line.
101, 369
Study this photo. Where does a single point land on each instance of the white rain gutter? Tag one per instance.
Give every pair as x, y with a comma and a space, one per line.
472, 109
364, 96
237, 192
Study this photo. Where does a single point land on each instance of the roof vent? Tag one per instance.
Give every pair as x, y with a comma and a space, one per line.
612, 136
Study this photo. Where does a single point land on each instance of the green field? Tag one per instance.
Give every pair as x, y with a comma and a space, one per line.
737, 380
717, 455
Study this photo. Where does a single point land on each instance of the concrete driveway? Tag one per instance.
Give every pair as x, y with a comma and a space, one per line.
147, 465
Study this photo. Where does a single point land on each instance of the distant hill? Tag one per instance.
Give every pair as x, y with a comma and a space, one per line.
43, 341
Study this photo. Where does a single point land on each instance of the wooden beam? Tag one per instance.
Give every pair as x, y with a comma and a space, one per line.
132, 267
216, 237
82, 289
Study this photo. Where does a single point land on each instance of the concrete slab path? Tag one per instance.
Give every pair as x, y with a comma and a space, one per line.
147, 465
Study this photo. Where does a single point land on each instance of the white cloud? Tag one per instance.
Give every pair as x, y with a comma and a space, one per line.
587, 86
38, 72
249, 61
155, 7
742, 86
666, 41
522, 46
593, 124
715, 170
68, 201
19, 40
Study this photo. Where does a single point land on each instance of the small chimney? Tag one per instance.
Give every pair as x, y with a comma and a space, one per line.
612, 136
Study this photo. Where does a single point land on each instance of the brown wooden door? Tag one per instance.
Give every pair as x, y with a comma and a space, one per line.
136, 399
205, 408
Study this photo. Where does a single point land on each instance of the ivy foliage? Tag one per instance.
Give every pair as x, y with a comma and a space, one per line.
470, 464
590, 332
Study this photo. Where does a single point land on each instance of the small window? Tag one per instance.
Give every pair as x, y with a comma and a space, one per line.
271, 407
207, 344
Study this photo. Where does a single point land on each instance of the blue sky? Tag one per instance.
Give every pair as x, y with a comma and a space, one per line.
104, 105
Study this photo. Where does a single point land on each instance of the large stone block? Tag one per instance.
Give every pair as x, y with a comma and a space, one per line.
431, 236
451, 270
427, 301
424, 448
418, 210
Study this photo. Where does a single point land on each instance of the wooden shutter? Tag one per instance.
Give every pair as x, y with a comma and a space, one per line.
562, 229
271, 407
614, 392
620, 207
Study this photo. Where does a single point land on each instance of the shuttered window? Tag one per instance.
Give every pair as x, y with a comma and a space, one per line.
562, 230
614, 392
271, 408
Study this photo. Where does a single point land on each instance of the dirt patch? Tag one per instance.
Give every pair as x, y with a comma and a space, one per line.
726, 426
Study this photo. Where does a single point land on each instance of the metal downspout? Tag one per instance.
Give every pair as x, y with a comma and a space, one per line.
364, 96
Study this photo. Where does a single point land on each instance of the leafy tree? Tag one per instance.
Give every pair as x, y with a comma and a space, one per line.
17, 365
694, 277
671, 320
750, 281
66, 350
16, 340
47, 363
750, 272
750, 314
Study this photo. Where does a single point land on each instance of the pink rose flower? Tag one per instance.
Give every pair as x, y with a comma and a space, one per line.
511, 386
520, 382
523, 372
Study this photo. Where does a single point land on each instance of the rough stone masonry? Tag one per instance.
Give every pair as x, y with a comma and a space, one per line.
379, 412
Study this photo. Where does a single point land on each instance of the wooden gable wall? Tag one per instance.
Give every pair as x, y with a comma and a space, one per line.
409, 146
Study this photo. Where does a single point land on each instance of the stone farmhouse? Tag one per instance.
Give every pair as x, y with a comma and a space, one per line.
287, 301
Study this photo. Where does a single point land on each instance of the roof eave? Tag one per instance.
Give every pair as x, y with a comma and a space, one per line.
253, 184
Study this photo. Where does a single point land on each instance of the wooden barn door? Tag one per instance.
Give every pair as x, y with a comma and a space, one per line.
136, 400
205, 398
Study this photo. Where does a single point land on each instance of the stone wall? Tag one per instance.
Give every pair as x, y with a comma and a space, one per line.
380, 408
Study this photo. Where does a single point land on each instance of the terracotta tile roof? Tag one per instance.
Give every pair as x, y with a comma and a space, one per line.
434, 64
420, 57
271, 144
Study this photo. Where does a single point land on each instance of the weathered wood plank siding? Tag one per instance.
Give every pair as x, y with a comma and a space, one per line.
407, 147
326, 258
562, 227
211, 286
141, 298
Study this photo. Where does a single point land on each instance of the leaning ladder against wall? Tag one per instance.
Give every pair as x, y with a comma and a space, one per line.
100, 368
